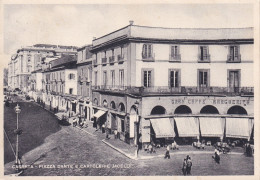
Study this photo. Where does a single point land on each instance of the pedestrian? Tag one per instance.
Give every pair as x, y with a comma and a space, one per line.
189, 164
74, 122
115, 133
184, 167
167, 154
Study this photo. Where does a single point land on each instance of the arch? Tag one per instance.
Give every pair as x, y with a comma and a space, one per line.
113, 105
237, 110
158, 110
209, 110
183, 109
105, 103
121, 107
95, 101
133, 110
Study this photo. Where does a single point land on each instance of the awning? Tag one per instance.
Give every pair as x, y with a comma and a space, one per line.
211, 127
187, 126
239, 127
99, 113
162, 128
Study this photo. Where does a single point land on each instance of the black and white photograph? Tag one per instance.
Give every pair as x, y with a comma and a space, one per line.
130, 89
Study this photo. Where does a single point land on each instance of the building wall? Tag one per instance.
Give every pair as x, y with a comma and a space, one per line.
71, 83
189, 65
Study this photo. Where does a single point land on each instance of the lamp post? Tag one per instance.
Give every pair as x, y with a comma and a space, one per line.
17, 132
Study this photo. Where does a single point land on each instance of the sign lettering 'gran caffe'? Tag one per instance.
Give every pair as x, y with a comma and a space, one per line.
242, 101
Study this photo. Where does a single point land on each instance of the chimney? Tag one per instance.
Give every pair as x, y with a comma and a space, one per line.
131, 22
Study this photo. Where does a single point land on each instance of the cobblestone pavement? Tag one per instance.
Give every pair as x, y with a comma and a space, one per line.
74, 152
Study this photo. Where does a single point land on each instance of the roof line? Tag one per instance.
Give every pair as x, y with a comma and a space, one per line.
193, 28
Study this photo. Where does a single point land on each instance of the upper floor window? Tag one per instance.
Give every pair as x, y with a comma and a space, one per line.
121, 77
234, 54
174, 77
147, 77
204, 55
113, 78
147, 52
70, 90
104, 78
71, 76
203, 77
175, 53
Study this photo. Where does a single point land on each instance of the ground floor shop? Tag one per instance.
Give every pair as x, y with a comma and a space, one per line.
142, 120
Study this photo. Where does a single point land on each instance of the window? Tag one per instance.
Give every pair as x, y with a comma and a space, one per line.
113, 78
203, 78
147, 51
234, 55
175, 53
104, 78
95, 78
122, 125
204, 54
70, 90
71, 76
174, 78
147, 78
121, 77
234, 80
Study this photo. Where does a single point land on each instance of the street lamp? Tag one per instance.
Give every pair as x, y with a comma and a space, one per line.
18, 132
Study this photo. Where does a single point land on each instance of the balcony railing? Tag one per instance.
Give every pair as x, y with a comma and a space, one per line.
104, 60
95, 62
189, 90
112, 59
148, 58
175, 58
120, 58
232, 58
204, 58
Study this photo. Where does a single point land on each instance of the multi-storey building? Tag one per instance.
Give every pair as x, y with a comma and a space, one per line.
152, 83
84, 67
31, 58
60, 84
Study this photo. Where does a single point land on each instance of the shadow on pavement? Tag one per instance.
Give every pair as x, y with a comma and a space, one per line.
64, 123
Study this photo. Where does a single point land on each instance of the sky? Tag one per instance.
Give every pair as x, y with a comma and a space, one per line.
76, 25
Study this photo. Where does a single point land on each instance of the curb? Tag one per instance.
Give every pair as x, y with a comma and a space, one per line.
86, 131
119, 150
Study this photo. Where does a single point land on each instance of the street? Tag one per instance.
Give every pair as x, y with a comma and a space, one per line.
53, 150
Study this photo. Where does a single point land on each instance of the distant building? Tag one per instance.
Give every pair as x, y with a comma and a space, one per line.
31, 58
155, 84
60, 84
84, 68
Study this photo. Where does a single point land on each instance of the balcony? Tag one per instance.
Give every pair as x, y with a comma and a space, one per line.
104, 61
95, 62
204, 59
234, 59
112, 59
183, 90
120, 58
148, 58
175, 58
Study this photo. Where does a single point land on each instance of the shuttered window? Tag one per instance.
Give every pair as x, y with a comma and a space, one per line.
147, 51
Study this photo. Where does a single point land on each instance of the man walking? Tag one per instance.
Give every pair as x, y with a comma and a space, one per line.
189, 164
167, 154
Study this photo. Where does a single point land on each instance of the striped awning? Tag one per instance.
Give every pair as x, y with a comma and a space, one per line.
211, 127
99, 113
239, 127
187, 126
162, 128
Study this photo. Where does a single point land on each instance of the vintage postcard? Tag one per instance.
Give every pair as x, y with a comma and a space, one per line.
130, 89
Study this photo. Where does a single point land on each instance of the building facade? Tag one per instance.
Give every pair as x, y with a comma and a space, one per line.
32, 58
153, 84
84, 68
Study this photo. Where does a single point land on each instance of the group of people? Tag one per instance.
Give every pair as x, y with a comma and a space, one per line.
78, 121
186, 167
